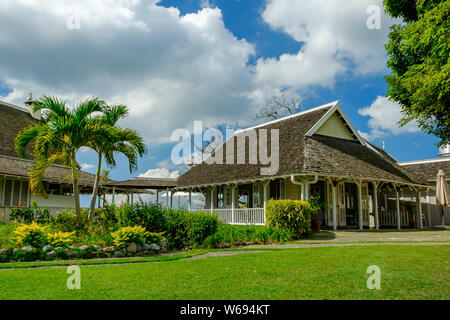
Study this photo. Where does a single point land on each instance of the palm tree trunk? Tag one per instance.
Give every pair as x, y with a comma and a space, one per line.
76, 193
95, 190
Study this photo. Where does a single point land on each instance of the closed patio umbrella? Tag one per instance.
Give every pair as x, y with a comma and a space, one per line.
442, 198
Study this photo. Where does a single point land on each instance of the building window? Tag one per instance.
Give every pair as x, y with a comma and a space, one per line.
256, 201
229, 196
7, 192
220, 197
15, 192
274, 189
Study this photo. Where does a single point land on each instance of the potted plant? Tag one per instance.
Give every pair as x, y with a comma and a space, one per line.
412, 210
317, 206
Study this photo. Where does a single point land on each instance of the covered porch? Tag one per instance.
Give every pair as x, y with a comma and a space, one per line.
347, 203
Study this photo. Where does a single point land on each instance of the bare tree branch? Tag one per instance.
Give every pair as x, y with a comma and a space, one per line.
277, 107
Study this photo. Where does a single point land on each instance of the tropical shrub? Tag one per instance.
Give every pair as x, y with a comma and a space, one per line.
127, 235
189, 229
155, 237
290, 215
68, 221
150, 216
59, 238
32, 234
7, 235
28, 215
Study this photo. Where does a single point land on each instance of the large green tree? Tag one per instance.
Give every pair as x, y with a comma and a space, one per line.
58, 136
125, 141
418, 51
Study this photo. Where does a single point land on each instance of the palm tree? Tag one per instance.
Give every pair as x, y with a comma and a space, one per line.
58, 136
125, 141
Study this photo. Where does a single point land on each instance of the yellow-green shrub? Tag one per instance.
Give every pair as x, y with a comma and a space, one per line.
32, 234
59, 238
291, 215
127, 235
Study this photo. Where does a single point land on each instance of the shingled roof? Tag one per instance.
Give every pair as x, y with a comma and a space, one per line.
428, 169
303, 153
12, 120
17, 167
144, 183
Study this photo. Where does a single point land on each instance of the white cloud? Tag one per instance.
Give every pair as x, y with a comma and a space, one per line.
333, 39
172, 69
86, 166
384, 117
160, 173
169, 69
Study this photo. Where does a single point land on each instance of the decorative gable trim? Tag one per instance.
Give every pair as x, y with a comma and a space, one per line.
321, 122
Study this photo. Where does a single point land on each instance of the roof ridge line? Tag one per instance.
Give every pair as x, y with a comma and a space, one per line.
424, 161
326, 105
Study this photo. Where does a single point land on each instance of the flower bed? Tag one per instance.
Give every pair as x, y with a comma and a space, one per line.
139, 230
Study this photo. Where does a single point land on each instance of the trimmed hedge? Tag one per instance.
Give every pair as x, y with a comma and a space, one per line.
231, 235
189, 229
291, 215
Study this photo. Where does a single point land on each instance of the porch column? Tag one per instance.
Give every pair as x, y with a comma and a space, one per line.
334, 204
397, 208
190, 200
302, 191
419, 209
157, 196
212, 199
375, 205
360, 213
265, 185
428, 208
171, 199
132, 198
167, 198
233, 200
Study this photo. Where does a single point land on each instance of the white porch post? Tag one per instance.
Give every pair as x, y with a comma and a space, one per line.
334, 204
375, 205
419, 209
167, 198
265, 185
132, 198
190, 200
233, 200
302, 191
360, 213
428, 208
397, 208
307, 185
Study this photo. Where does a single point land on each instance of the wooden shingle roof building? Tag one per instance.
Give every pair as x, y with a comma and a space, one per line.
316, 153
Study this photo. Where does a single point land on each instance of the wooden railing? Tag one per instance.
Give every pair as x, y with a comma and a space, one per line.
248, 216
389, 218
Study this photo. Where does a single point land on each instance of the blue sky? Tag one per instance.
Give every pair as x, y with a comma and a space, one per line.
214, 61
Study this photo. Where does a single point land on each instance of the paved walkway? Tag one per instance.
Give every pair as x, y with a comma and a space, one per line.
376, 236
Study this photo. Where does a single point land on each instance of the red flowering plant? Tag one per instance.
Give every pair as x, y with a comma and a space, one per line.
24, 214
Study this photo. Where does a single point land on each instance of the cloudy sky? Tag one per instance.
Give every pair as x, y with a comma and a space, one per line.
176, 61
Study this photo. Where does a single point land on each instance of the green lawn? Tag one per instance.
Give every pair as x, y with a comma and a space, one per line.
417, 272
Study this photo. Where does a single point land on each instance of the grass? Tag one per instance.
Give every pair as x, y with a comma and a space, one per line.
419, 272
